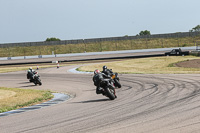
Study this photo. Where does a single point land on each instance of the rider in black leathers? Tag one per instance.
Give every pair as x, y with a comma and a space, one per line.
107, 71
30, 74
97, 78
110, 73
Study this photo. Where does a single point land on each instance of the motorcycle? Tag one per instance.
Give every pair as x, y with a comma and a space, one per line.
116, 80
108, 88
114, 77
36, 79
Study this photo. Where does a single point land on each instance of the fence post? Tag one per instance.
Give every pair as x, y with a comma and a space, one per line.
146, 42
70, 49
131, 44
8, 51
55, 50
40, 52
100, 46
116, 45
84, 45
24, 53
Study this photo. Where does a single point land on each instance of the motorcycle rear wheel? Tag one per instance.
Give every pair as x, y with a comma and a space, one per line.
117, 83
39, 82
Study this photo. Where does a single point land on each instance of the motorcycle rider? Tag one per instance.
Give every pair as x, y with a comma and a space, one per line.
97, 78
30, 69
30, 74
107, 71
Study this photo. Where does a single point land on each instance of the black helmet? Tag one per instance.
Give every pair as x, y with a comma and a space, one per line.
104, 68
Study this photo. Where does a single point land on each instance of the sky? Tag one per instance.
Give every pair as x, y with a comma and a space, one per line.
37, 20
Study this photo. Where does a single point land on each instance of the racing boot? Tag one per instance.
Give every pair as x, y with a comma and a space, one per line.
98, 90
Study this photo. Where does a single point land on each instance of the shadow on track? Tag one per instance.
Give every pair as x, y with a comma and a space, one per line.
28, 86
90, 101
90, 90
24, 82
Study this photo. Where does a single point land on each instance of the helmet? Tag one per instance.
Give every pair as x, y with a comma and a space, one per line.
96, 71
104, 68
30, 69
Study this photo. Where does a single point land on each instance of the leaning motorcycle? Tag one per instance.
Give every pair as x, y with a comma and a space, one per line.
108, 88
36, 79
116, 80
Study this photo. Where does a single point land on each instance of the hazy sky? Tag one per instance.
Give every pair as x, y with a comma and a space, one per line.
36, 20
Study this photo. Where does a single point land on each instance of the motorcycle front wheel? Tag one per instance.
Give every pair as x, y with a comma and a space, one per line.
110, 92
39, 82
35, 82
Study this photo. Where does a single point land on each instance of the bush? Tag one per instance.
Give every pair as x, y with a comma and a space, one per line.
52, 39
146, 32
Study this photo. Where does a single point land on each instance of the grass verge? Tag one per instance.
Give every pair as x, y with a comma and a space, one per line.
14, 98
155, 65
13, 68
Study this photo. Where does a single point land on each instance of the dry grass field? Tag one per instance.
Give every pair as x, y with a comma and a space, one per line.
155, 65
13, 98
13, 68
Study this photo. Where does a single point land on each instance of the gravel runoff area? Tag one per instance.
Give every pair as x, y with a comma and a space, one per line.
189, 64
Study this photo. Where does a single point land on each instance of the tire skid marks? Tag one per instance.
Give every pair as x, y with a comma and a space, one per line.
177, 101
122, 105
142, 101
83, 115
138, 99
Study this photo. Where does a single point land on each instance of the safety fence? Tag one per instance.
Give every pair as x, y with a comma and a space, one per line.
96, 40
99, 44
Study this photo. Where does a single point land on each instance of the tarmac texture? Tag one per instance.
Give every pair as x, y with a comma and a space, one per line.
146, 103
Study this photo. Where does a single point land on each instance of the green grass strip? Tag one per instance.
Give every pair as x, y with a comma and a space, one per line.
14, 98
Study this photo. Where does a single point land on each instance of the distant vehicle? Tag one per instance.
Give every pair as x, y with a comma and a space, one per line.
177, 52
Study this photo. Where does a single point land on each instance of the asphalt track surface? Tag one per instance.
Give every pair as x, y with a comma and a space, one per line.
146, 103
